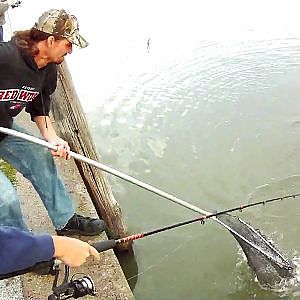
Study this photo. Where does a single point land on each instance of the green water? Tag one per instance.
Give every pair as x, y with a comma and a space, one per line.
210, 113
215, 147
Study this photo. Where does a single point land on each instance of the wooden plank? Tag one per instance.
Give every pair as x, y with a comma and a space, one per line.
71, 124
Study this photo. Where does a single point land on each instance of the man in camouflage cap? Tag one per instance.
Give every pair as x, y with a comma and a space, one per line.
28, 77
59, 23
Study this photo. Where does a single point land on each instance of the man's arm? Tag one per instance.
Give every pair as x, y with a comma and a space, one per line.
20, 249
48, 132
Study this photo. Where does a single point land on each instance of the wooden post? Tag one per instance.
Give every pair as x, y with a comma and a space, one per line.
71, 125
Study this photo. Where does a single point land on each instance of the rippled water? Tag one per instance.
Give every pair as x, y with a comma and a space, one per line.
200, 99
218, 125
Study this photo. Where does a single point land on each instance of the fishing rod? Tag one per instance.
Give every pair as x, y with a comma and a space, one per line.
132, 180
109, 244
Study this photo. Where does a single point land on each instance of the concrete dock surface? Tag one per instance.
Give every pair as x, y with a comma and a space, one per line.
109, 279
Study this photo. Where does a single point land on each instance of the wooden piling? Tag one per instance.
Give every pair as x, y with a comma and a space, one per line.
71, 125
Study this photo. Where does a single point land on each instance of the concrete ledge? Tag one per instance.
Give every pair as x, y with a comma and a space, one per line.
107, 274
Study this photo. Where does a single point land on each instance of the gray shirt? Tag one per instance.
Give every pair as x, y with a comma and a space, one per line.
3, 8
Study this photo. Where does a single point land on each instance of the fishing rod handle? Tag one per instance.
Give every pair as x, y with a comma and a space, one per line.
104, 245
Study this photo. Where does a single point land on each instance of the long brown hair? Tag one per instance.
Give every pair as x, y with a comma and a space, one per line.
27, 40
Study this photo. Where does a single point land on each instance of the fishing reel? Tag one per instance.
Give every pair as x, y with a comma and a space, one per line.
73, 288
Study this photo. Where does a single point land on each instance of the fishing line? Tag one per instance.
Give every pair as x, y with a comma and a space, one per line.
189, 238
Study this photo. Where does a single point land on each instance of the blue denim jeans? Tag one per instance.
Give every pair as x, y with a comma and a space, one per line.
37, 165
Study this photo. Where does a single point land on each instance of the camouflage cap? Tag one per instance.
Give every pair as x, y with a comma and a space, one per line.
61, 23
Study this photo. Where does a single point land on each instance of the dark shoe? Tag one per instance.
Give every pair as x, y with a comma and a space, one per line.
82, 226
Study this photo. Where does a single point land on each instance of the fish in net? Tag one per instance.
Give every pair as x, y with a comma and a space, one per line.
268, 263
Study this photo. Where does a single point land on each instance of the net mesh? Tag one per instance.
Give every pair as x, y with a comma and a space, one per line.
268, 263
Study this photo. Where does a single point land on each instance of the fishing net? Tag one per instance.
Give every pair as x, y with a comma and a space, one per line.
268, 263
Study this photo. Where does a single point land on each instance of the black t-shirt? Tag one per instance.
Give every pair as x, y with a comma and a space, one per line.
23, 85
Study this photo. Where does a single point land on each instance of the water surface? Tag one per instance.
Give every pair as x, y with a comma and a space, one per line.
200, 99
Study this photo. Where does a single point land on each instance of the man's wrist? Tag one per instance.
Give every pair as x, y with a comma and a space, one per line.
58, 245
